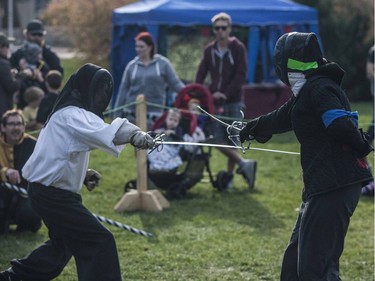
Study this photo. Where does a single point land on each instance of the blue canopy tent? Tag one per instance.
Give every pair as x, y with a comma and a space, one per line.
265, 21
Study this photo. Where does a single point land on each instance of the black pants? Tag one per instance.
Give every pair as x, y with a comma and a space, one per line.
318, 237
73, 231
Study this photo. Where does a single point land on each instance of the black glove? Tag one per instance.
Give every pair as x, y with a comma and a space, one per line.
142, 140
248, 133
92, 179
366, 148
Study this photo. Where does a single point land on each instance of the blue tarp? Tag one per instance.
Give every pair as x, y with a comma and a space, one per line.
266, 20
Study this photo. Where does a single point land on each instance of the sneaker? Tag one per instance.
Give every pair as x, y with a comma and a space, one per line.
248, 170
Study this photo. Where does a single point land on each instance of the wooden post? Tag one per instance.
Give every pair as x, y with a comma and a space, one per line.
142, 199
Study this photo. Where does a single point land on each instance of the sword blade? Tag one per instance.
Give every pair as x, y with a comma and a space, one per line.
225, 146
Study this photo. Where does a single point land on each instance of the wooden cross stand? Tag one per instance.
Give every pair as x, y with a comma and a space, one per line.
141, 198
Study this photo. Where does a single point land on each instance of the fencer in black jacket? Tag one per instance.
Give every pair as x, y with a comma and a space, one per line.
333, 152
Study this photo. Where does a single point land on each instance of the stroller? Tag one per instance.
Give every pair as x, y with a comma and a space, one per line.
195, 159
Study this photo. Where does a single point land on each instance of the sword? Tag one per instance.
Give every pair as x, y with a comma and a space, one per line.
224, 146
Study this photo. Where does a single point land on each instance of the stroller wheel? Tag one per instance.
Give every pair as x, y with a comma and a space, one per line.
178, 190
222, 180
132, 184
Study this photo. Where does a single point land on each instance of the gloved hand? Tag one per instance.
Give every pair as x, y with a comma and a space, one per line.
142, 140
92, 179
248, 133
367, 147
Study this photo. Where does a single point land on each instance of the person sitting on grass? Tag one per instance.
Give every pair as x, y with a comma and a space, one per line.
15, 149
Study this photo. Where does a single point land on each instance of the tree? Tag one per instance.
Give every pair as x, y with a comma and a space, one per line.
88, 24
347, 31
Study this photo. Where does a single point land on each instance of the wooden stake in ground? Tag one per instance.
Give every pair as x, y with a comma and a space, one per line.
141, 198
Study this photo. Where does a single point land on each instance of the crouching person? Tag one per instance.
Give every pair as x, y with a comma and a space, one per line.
15, 149
56, 171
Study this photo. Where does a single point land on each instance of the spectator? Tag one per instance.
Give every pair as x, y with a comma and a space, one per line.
35, 33
8, 83
225, 61
333, 152
53, 83
164, 166
15, 149
148, 74
33, 97
33, 70
168, 159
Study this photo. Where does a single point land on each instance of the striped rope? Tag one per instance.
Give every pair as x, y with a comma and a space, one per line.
23, 191
14, 188
123, 226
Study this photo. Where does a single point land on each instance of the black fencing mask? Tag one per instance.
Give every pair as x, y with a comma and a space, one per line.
296, 52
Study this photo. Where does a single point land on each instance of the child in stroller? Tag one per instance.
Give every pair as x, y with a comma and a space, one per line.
171, 176
164, 165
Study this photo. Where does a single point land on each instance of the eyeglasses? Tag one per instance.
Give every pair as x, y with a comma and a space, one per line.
222, 27
140, 46
15, 124
37, 34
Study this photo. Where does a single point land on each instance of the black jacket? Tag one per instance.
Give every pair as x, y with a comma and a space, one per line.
49, 57
15, 156
328, 155
46, 107
8, 86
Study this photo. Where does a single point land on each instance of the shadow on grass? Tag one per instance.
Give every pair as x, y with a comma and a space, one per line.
204, 208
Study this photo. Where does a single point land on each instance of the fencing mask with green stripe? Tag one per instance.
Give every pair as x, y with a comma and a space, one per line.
296, 52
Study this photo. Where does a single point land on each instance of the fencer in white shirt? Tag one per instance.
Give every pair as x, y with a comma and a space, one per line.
56, 171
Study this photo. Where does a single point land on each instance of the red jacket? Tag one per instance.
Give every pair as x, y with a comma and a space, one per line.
228, 73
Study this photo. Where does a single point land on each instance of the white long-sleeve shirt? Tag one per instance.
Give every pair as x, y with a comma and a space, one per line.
61, 154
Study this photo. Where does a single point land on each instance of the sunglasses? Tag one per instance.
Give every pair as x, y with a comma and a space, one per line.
38, 34
222, 27
5, 46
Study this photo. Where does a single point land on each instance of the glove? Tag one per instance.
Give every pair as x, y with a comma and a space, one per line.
366, 148
248, 133
142, 140
92, 179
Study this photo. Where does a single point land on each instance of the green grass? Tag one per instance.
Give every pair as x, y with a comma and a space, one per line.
237, 235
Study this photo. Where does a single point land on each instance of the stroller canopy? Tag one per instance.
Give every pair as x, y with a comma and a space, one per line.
195, 91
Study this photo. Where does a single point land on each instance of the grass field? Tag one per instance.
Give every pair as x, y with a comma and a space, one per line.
236, 235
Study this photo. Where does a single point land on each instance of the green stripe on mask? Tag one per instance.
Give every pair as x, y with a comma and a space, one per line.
301, 66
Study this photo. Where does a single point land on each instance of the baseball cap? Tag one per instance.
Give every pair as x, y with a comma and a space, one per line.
3, 40
35, 26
